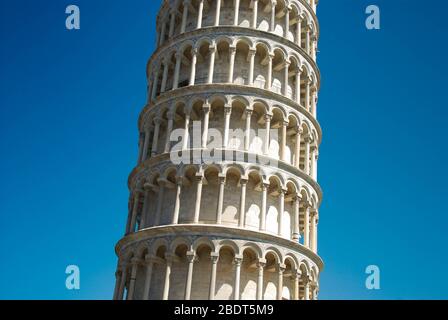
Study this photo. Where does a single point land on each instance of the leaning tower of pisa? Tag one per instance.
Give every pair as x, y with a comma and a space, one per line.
224, 199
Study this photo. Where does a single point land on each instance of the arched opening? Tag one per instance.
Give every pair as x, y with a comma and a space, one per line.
222, 62
209, 199
253, 201
201, 275
241, 70
270, 277
273, 209
225, 279
249, 273
261, 66
203, 63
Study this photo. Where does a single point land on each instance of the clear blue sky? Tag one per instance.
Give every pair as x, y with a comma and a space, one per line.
69, 104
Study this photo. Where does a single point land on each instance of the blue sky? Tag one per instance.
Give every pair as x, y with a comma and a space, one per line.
69, 103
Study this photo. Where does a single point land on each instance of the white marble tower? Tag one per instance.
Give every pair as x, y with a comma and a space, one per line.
238, 76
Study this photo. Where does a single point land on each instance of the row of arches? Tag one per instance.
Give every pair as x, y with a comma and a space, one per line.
240, 124
229, 195
224, 269
288, 19
235, 60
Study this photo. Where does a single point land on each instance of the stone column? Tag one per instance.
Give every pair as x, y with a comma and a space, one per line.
260, 265
286, 33
197, 209
237, 11
149, 262
214, 260
231, 63
179, 181
191, 258
172, 23
283, 142
185, 16
200, 12
238, 261
146, 143
264, 188
297, 152
158, 121
269, 81
134, 262
155, 85
169, 131
147, 189
140, 148
313, 101
218, 12
307, 42
243, 183
165, 76
255, 14
273, 4
159, 203
296, 232
247, 132
299, 32
227, 114
252, 53
267, 141
222, 184
314, 221
281, 200
177, 70
296, 278
166, 286
122, 282
206, 109
313, 162
193, 67
186, 135
117, 283
307, 154
298, 79
280, 268
162, 34
134, 211
286, 70
306, 227
211, 69
306, 282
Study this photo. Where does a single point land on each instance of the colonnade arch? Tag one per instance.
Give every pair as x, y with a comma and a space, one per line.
286, 18
235, 60
236, 269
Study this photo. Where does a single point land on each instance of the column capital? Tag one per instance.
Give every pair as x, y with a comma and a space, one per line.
281, 267
244, 180
238, 260
149, 258
228, 109
214, 256
206, 107
261, 263
232, 49
212, 48
136, 261
191, 256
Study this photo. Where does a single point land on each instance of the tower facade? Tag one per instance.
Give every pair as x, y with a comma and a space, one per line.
224, 199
